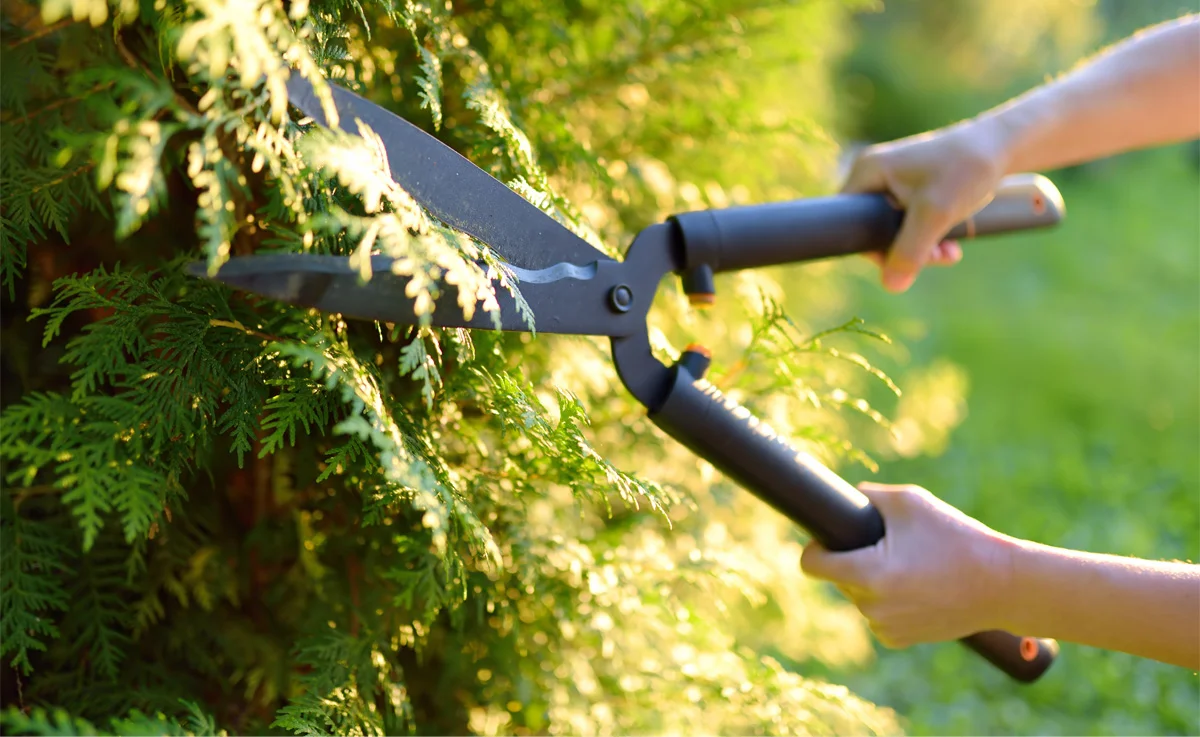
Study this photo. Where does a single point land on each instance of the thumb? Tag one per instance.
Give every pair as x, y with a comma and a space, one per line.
843, 568
864, 176
923, 228
894, 501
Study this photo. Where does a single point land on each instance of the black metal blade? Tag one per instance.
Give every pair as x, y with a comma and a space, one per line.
563, 298
456, 191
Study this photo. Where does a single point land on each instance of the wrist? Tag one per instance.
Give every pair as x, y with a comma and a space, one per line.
1016, 130
1022, 593
1002, 597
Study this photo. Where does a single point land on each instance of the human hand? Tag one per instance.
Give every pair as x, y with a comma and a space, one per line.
940, 178
937, 574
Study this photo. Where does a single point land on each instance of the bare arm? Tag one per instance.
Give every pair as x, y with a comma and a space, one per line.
1142, 92
939, 575
1146, 608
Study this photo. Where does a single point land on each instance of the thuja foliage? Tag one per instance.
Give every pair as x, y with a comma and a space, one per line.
223, 513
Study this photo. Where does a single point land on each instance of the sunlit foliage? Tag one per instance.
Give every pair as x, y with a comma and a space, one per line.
223, 513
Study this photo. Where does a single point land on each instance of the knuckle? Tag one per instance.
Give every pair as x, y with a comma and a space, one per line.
914, 496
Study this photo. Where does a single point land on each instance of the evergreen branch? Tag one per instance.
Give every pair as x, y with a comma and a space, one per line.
133, 62
42, 32
59, 180
40, 722
95, 627
56, 104
36, 557
58, 722
20, 494
412, 609
235, 325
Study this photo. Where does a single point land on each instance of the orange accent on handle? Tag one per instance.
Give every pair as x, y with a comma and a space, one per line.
702, 300
1029, 649
697, 348
1039, 204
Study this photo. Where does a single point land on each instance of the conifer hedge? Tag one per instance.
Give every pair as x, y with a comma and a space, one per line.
221, 513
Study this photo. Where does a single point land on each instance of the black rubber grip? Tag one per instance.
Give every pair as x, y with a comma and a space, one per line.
821, 227
836, 514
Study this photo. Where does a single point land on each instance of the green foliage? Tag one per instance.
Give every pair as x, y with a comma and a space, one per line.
58, 722
35, 557
302, 524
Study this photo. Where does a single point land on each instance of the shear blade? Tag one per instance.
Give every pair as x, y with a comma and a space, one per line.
456, 191
564, 298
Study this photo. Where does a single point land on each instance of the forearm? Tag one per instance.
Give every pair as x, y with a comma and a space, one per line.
1145, 608
1142, 92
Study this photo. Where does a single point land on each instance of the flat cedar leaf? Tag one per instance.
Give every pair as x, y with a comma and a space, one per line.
415, 361
137, 724
429, 81
301, 403
337, 688
39, 721
199, 722
139, 500
95, 626
342, 458
31, 592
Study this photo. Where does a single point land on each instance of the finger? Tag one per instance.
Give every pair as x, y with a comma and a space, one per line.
922, 229
843, 568
946, 253
875, 257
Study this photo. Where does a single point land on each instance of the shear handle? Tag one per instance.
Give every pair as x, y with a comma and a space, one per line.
836, 514
821, 227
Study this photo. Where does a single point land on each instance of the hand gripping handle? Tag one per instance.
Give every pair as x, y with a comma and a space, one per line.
836, 514
820, 227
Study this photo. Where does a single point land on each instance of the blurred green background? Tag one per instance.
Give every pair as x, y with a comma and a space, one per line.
1052, 379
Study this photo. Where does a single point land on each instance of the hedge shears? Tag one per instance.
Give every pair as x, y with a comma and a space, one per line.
571, 287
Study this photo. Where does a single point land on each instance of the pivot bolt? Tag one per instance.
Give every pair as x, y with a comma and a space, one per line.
620, 298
